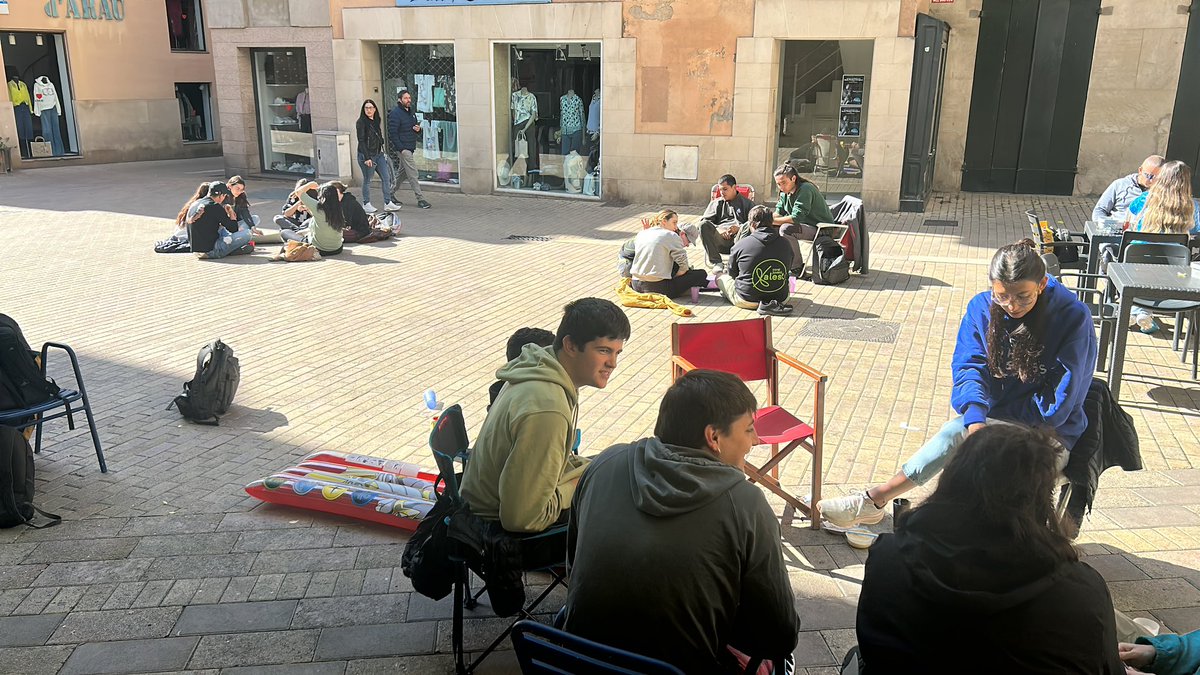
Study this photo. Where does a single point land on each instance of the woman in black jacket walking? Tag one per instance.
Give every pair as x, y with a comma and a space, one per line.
371, 157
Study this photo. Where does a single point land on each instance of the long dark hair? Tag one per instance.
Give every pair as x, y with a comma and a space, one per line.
1005, 476
362, 113
1017, 351
241, 201
201, 193
786, 169
330, 205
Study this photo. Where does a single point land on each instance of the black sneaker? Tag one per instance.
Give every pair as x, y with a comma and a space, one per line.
772, 308
424, 204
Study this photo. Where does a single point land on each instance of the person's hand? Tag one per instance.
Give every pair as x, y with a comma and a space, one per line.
975, 427
256, 231
645, 223
1136, 655
730, 231
417, 128
369, 163
230, 212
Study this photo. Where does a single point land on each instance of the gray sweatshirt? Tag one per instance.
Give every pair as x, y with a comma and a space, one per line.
675, 555
1119, 195
655, 251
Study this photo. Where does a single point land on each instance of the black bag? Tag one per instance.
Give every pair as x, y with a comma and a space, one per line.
1066, 254
829, 264
210, 393
16, 482
22, 383
426, 557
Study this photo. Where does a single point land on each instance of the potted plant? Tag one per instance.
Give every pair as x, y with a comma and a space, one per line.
5, 155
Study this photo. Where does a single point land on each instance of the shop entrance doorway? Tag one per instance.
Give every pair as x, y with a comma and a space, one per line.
1185, 124
548, 117
39, 86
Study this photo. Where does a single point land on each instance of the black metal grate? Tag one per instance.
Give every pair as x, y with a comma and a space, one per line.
527, 237
941, 223
400, 66
859, 330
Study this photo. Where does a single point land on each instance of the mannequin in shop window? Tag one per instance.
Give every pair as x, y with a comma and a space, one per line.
18, 95
304, 111
570, 108
47, 107
524, 116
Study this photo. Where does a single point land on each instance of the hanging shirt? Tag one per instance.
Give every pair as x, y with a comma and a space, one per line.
18, 93
304, 103
424, 85
571, 111
524, 106
593, 120
430, 142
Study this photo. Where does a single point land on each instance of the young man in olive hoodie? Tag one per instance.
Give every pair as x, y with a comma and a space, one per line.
522, 471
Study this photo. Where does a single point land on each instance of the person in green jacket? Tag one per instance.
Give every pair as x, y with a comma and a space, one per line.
324, 231
523, 469
801, 207
1167, 654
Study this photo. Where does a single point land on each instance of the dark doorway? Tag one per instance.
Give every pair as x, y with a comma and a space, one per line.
1184, 144
1031, 77
924, 113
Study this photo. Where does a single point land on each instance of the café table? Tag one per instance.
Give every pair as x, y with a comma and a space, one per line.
1145, 282
1098, 234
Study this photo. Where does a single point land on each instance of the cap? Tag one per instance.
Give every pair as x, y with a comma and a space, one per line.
691, 232
217, 189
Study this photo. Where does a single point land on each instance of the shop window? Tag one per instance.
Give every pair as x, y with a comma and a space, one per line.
195, 110
823, 115
426, 71
39, 87
284, 110
185, 26
548, 118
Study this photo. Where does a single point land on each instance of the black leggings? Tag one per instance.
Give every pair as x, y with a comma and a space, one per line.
675, 286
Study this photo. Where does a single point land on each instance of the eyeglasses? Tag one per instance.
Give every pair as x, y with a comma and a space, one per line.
1149, 176
1019, 300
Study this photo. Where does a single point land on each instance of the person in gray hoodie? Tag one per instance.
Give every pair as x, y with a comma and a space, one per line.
673, 553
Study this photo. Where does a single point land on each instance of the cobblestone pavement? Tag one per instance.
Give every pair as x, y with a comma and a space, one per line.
165, 564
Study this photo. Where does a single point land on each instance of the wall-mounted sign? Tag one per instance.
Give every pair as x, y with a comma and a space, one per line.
102, 10
852, 89
3, 6
453, 3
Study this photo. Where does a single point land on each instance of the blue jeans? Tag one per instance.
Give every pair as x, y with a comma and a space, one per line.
229, 242
51, 131
385, 177
932, 456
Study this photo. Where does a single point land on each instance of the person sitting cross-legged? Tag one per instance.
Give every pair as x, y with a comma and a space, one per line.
1025, 354
660, 262
212, 226
758, 268
522, 471
673, 553
724, 221
980, 577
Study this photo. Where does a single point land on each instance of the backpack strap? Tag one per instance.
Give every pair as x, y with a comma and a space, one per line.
54, 520
205, 352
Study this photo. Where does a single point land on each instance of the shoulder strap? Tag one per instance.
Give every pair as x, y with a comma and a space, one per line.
54, 520
205, 352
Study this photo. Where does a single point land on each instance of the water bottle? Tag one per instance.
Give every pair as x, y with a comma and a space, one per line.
431, 400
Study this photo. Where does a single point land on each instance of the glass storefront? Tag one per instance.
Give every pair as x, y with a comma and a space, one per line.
39, 89
427, 72
823, 116
284, 110
548, 117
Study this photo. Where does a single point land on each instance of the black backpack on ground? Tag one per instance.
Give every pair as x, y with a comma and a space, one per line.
21, 381
829, 264
209, 394
16, 482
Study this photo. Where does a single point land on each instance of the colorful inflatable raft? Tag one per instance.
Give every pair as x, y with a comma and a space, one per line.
369, 488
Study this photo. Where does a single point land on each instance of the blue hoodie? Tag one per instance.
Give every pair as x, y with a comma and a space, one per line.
1068, 361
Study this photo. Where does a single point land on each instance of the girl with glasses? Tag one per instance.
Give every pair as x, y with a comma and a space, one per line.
1025, 354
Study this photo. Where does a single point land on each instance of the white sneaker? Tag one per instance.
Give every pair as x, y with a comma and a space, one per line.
368, 208
392, 206
850, 510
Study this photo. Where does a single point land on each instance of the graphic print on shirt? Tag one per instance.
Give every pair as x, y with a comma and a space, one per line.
769, 276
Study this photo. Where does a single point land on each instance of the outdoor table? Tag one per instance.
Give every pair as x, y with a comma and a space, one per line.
1147, 282
1098, 234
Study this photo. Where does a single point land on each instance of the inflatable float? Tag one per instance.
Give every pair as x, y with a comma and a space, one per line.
363, 487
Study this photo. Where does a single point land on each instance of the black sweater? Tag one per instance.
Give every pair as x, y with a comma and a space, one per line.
759, 264
950, 594
204, 229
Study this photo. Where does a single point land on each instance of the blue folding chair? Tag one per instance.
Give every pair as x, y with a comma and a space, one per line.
543, 650
23, 418
450, 444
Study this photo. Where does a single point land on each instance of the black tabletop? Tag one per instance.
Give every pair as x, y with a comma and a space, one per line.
1155, 277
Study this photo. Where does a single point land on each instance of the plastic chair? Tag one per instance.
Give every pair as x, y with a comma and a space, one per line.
23, 418
542, 649
745, 189
1155, 253
743, 348
450, 443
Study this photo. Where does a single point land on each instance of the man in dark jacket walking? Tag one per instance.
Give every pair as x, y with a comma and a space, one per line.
403, 128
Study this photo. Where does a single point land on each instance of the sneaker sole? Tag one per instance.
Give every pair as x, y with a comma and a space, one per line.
861, 520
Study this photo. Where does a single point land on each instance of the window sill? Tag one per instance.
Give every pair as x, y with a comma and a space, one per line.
189, 51
204, 142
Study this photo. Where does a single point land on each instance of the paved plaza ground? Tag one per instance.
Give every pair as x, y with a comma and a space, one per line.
165, 564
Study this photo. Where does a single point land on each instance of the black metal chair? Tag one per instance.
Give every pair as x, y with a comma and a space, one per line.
1073, 242
543, 650
450, 443
23, 418
1154, 253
